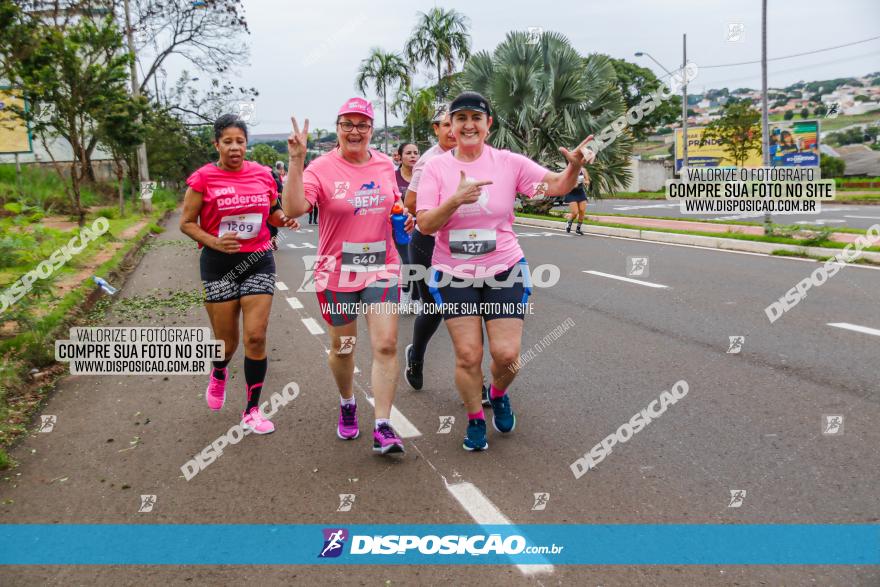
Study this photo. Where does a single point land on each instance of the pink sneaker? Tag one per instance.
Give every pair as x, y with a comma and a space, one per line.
347, 429
256, 423
386, 440
216, 392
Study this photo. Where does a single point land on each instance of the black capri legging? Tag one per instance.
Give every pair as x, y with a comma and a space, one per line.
421, 250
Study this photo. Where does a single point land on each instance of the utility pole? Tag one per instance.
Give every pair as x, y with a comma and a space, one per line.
765, 116
684, 104
143, 169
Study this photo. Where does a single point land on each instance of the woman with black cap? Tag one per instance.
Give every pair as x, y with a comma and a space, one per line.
466, 198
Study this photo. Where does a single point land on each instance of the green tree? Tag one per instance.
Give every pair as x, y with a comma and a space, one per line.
545, 96
175, 149
384, 71
737, 131
831, 166
418, 109
121, 130
635, 83
439, 38
789, 114
264, 155
77, 69
804, 112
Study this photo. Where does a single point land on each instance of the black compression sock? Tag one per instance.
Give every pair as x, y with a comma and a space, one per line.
254, 375
218, 369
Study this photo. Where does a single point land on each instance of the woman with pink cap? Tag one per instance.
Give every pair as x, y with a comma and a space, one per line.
358, 267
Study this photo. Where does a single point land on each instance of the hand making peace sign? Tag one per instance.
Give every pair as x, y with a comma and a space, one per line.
297, 142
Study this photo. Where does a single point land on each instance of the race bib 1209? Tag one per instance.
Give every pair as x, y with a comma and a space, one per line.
246, 226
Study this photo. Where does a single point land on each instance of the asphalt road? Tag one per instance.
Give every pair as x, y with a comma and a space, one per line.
832, 215
751, 421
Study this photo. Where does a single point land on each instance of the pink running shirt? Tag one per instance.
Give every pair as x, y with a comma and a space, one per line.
355, 242
236, 201
478, 239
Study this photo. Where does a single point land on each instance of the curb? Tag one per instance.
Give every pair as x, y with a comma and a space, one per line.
709, 242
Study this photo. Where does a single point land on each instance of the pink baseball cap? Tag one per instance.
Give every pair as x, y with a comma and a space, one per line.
357, 106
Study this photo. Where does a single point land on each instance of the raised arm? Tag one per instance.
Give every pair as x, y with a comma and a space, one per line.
562, 182
293, 197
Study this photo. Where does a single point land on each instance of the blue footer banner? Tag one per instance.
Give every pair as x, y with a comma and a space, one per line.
373, 544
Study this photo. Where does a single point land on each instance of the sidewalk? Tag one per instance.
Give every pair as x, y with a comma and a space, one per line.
697, 226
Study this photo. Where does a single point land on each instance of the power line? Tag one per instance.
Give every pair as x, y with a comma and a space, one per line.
790, 56
800, 67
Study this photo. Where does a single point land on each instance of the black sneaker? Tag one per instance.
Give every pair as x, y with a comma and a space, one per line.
578, 230
413, 372
476, 436
486, 401
568, 228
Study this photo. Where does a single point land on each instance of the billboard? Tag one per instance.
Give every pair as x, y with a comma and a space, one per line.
14, 134
792, 144
709, 155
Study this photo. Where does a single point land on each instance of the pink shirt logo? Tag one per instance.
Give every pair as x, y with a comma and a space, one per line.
340, 188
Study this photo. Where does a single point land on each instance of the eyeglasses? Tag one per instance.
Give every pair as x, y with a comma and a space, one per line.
362, 128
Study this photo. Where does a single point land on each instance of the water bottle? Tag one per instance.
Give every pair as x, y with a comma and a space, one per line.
104, 285
398, 219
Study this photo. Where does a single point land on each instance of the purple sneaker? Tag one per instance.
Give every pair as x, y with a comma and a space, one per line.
347, 429
386, 440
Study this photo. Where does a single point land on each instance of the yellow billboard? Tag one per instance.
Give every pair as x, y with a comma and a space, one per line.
14, 134
711, 154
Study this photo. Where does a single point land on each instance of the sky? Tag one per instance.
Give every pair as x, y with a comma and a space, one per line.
304, 55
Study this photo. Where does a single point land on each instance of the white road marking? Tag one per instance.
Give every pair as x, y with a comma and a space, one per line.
312, 326
647, 242
645, 207
855, 328
484, 513
281, 286
821, 222
301, 246
866, 217
403, 426
627, 279
295, 303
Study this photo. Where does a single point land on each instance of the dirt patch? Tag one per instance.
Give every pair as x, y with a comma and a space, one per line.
71, 282
131, 232
63, 223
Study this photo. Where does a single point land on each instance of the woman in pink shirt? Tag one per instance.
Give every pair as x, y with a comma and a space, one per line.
358, 266
226, 210
465, 197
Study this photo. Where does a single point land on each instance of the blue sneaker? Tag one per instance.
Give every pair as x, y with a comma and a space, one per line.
503, 418
476, 436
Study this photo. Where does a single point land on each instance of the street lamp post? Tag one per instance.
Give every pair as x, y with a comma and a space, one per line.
765, 116
684, 104
143, 169
684, 131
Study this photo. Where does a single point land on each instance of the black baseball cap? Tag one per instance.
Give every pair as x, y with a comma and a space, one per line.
470, 101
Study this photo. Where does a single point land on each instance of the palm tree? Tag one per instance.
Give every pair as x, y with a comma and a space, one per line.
402, 106
545, 96
439, 38
382, 70
416, 107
